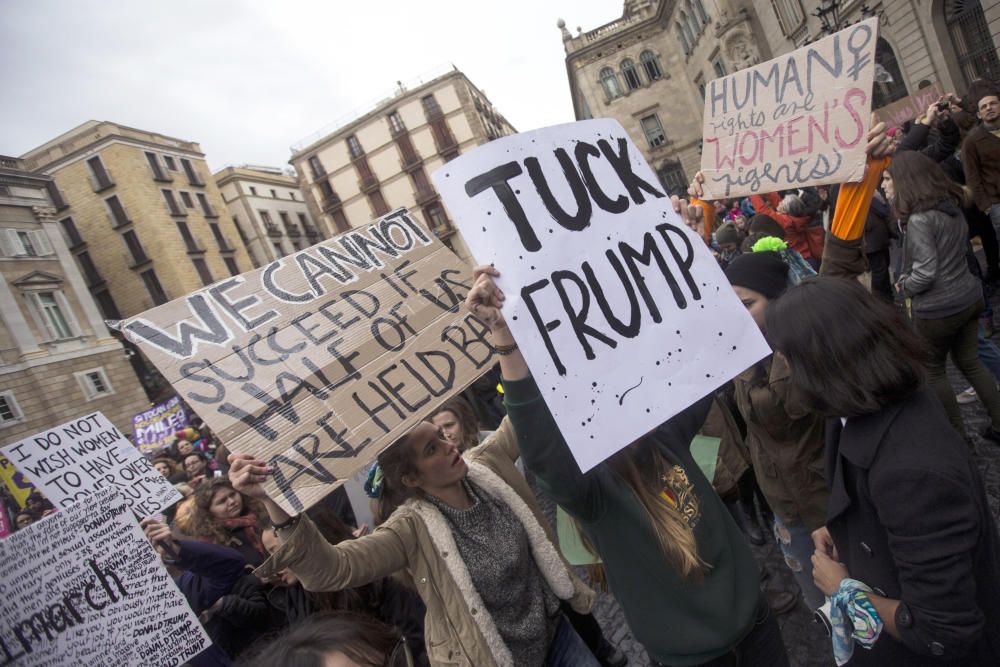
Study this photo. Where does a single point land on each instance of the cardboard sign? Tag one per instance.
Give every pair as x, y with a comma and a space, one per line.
84, 587
153, 428
72, 461
909, 108
319, 360
800, 119
619, 308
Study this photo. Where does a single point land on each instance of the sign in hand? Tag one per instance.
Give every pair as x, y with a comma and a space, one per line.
248, 475
160, 537
879, 144
485, 299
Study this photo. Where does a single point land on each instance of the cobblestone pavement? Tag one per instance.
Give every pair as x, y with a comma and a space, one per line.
807, 643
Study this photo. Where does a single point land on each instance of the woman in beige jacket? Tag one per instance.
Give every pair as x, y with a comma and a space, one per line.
468, 532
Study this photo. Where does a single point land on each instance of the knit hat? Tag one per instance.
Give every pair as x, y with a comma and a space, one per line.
763, 272
727, 233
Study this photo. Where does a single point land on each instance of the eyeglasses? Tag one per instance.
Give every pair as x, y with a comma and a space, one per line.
400, 656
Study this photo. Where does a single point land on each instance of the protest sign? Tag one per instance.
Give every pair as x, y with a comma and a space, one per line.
800, 119
71, 461
15, 481
5, 527
153, 428
909, 108
319, 360
622, 314
84, 587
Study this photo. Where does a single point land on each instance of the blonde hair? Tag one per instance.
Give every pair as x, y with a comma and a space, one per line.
642, 468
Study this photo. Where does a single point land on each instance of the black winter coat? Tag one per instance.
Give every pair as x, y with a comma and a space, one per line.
909, 517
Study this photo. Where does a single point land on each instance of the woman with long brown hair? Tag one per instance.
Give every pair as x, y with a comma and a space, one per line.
675, 559
223, 515
946, 298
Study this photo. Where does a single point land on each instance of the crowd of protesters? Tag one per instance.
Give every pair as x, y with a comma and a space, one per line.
847, 443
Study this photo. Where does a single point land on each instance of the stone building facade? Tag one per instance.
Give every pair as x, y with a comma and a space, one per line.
268, 210
383, 159
57, 358
648, 68
141, 214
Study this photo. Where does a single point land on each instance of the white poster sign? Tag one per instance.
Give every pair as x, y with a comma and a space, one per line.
619, 308
84, 587
71, 461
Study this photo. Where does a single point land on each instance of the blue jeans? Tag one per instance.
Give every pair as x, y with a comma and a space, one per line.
989, 354
797, 546
568, 650
762, 647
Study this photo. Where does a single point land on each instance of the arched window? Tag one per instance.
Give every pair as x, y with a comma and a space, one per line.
889, 85
699, 8
651, 65
686, 27
610, 83
970, 37
630, 75
682, 36
692, 21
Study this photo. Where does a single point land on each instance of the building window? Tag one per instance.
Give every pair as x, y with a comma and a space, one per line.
202, 268
154, 287
316, 167
56, 196
274, 193
651, 64
265, 217
71, 231
10, 411
239, 230
25, 243
192, 174
168, 196
610, 84
354, 147
683, 37
303, 220
54, 314
719, 67
699, 9
186, 198
90, 271
692, 24
109, 309
396, 123
291, 195
889, 85
296, 246
206, 208
431, 107
154, 165
327, 190
231, 266
340, 222
189, 240
653, 130
378, 203
253, 191
94, 383
101, 179
135, 248
278, 250
436, 219
790, 15
170, 162
672, 178
219, 238
117, 211
630, 75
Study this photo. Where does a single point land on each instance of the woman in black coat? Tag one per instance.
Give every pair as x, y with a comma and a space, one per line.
908, 515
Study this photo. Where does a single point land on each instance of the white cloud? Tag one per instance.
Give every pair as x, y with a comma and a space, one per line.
248, 79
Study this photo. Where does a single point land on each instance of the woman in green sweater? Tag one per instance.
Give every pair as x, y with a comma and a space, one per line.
674, 558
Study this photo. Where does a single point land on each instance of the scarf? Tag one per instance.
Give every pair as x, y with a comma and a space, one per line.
248, 524
853, 618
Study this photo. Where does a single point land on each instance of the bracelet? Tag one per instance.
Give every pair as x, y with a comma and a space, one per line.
504, 350
285, 524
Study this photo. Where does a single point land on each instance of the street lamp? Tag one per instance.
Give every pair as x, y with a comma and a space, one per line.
828, 14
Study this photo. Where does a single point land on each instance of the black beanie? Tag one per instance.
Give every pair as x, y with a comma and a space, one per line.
764, 272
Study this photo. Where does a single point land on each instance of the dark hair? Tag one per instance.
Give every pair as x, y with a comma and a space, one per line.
466, 417
762, 225
363, 640
870, 359
27, 513
397, 460
920, 184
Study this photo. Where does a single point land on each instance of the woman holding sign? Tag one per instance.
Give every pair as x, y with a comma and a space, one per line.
468, 533
675, 559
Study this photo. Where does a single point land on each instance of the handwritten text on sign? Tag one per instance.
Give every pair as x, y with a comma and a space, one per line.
621, 312
800, 119
75, 459
153, 428
84, 587
317, 361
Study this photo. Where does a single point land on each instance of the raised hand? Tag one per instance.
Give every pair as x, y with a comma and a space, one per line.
248, 475
485, 299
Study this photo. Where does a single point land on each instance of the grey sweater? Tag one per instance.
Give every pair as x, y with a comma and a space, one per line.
495, 548
935, 269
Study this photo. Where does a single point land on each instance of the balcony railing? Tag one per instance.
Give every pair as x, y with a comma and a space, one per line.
293, 230
272, 229
368, 183
425, 195
311, 231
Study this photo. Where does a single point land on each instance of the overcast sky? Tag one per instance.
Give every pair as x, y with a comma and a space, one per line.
249, 79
